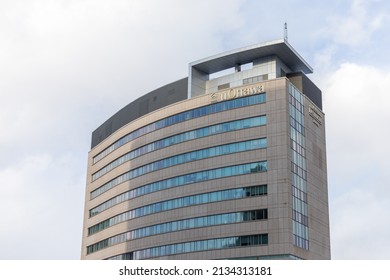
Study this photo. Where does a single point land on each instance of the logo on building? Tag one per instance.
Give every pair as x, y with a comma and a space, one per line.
236, 93
317, 118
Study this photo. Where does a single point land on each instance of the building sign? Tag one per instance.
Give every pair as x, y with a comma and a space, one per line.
236, 93
317, 118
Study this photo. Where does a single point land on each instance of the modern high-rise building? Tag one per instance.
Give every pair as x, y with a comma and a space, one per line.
228, 163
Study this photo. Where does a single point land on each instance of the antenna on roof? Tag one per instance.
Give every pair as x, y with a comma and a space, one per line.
285, 32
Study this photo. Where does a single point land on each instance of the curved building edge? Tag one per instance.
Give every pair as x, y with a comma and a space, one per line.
156, 99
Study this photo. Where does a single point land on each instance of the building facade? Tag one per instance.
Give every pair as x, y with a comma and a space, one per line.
219, 165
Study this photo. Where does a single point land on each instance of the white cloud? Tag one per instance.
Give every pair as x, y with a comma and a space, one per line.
356, 106
360, 226
40, 202
358, 25
352, 30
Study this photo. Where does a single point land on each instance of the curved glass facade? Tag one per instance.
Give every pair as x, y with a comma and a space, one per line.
180, 159
195, 246
180, 203
205, 221
181, 117
183, 137
183, 179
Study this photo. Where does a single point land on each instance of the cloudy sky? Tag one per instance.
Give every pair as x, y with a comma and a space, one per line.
66, 66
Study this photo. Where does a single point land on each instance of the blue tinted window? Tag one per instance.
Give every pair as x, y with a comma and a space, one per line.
181, 202
186, 136
195, 246
216, 151
198, 112
182, 180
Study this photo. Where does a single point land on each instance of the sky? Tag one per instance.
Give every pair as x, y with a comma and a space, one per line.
67, 66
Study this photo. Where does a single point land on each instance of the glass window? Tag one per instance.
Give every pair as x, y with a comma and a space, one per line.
181, 202
145, 169
209, 109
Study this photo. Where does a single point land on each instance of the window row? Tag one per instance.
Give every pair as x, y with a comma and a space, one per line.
181, 117
183, 179
179, 203
269, 257
179, 159
212, 220
195, 178
223, 86
182, 137
255, 79
195, 246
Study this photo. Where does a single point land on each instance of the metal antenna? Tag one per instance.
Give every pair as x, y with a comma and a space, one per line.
285, 32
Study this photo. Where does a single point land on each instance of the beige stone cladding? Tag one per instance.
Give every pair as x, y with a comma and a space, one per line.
318, 206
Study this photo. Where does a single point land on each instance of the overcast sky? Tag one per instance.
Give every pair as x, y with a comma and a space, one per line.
66, 66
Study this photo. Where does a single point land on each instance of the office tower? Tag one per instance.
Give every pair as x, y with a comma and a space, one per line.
228, 163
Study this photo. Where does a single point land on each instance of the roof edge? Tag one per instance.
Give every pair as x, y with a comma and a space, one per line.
208, 64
